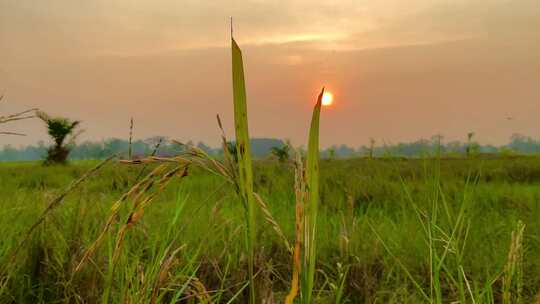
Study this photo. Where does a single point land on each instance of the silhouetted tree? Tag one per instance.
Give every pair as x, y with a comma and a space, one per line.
332, 152
231, 146
282, 153
523, 144
59, 129
344, 151
371, 147
470, 135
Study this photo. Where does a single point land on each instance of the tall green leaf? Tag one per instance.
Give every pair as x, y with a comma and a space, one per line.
312, 183
245, 171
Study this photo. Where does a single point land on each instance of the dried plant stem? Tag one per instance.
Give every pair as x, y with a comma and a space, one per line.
130, 149
299, 189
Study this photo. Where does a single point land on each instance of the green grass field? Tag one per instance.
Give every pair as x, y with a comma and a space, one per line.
389, 231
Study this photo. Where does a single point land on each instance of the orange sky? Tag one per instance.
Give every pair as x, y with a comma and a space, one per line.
399, 70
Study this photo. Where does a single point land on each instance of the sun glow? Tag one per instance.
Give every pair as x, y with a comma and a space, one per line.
327, 99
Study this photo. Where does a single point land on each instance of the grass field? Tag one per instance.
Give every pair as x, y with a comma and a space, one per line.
389, 231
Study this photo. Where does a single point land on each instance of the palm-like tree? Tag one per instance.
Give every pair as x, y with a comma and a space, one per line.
331, 153
232, 150
59, 128
470, 136
282, 153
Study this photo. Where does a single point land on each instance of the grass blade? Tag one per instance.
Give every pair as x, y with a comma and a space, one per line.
312, 183
245, 171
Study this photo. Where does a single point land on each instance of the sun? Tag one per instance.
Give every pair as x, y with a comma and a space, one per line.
327, 98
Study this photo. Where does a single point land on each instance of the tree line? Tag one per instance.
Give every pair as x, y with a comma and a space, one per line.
63, 133
267, 147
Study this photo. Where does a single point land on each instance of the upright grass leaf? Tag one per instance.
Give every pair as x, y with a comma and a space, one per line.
312, 183
245, 172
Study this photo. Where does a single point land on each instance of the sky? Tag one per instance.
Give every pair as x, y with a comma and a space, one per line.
398, 70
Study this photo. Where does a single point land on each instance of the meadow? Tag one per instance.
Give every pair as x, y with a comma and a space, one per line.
389, 230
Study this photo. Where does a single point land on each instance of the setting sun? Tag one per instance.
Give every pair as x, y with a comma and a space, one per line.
327, 98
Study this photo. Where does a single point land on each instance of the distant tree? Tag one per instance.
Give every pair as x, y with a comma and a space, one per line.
421, 147
470, 135
205, 148
231, 146
344, 151
454, 148
154, 140
282, 153
523, 144
88, 150
371, 147
437, 142
157, 145
115, 145
261, 147
489, 149
506, 151
59, 129
332, 152
9, 153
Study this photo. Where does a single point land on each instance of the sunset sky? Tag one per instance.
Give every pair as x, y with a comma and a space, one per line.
399, 70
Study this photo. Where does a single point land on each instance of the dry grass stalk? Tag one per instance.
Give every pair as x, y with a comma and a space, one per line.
512, 275
164, 268
137, 191
199, 291
229, 163
15, 117
270, 219
154, 152
12, 133
192, 156
347, 225
141, 203
130, 149
299, 188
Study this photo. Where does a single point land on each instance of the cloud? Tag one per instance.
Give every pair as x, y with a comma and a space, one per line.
141, 27
399, 69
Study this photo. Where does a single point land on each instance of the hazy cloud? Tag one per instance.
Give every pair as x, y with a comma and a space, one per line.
399, 69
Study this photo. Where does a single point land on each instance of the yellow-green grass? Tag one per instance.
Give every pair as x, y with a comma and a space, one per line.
388, 239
